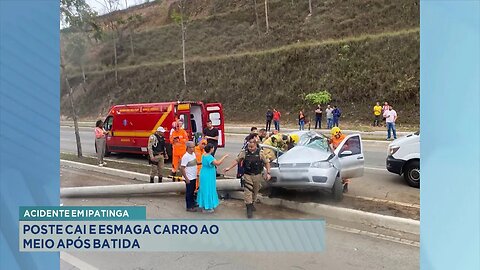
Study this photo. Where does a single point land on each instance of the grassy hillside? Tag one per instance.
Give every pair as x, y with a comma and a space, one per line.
226, 32
361, 51
356, 72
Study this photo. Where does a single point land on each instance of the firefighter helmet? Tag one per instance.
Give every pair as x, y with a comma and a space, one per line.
335, 131
295, 138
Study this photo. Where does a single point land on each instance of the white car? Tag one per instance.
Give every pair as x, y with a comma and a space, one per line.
404, 158
313, 165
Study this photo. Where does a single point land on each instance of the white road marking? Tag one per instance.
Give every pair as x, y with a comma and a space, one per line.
76, 261
375, 169
375, 235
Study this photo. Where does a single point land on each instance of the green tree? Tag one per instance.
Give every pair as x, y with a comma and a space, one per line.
321, 97
77, 16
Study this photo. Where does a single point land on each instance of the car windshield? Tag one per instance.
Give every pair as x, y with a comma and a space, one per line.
314, 140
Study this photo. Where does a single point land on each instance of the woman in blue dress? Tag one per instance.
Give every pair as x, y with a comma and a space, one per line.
207, 197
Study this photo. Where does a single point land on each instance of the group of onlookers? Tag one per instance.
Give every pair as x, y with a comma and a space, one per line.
389, 116
333, 114
273, 115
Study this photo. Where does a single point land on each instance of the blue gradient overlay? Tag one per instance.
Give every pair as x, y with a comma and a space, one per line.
450, 95
87, 213
211, 235
29, 121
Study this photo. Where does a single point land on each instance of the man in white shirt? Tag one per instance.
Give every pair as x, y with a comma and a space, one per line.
188, 167
329, 113
390, 118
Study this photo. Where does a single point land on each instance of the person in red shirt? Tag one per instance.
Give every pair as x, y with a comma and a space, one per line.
276, 119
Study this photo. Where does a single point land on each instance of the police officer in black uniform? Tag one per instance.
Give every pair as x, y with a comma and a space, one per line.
157, 153
253, 160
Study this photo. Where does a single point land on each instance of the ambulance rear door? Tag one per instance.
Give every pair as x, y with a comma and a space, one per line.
183, 113
215, 114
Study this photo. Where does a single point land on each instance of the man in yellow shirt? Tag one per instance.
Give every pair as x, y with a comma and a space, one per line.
377, 111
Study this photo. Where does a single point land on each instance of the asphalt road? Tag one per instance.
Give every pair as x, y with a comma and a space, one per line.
377, 182
348, 246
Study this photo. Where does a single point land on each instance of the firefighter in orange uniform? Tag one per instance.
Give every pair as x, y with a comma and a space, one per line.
335, 140
337, 137
199, 151
178, 139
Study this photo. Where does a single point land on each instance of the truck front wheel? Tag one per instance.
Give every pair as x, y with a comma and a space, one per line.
412, 173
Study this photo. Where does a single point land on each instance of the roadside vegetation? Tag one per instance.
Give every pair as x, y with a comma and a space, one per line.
361, 51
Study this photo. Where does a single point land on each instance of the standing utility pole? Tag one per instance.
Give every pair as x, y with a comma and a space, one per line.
183, 48
266, 14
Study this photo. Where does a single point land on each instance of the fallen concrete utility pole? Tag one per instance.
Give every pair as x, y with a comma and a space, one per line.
118, 190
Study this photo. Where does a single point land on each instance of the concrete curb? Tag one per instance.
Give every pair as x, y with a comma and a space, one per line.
411, 205
107, 159
105, 170
343, 214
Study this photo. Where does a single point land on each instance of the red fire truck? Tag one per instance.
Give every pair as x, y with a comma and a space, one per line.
130, 125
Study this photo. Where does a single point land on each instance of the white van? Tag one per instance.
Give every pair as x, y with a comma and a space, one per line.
404, 158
